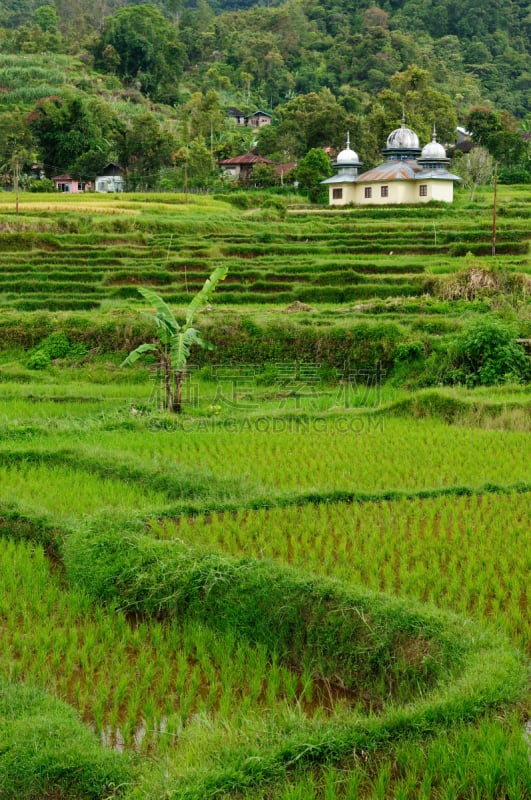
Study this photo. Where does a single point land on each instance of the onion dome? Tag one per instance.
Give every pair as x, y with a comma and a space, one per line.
433, 150
347, 157
433, 154
402, 143
403, 138
346, 166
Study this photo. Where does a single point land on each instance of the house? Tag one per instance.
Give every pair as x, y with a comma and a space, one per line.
111, 179
409, 174
64, 183
258, 119
240, 168
237, 116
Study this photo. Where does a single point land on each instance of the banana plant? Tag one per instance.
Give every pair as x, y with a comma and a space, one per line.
175, 340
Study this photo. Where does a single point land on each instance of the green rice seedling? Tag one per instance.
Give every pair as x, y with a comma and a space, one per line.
408, 546
265, 764
42, 488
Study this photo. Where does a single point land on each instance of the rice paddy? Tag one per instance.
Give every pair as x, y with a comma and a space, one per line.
74, 263
285, 593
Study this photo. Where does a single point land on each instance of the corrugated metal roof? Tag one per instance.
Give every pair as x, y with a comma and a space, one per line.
247, 158
391, 171
437, 174
341, 179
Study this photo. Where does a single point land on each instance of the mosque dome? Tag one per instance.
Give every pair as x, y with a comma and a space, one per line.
347, 156
433, 150
433, 154
403, 138
402, 144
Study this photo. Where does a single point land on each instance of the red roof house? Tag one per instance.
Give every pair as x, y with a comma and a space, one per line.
240, 168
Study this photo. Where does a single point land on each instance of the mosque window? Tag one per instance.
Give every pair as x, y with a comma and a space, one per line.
368, 191
385, 191
423, 190
337, 194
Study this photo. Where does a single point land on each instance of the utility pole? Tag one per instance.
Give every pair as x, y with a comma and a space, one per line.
16, 179
186, 177
494, 208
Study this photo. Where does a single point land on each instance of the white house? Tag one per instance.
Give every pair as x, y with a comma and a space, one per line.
409, 175
111, 179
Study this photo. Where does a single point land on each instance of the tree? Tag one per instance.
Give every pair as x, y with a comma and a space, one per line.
69, 127
314, 168
308, 121
508, 148
145, 48
482, 122
46, 18
204, 115
475, 168
145, 148
175, 341
413, 91
15, 138
265, 175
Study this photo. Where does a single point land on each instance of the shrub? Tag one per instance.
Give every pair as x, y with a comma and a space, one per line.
56, 345
38, 360
487, 353
42, 185
409, 351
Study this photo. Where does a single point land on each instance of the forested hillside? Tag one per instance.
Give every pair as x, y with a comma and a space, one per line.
167, 71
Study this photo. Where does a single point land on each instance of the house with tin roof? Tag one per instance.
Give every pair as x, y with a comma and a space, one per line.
258, 119
240, 168
410, 174
111, 179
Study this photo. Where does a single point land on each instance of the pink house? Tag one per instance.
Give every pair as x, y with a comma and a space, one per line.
64, 183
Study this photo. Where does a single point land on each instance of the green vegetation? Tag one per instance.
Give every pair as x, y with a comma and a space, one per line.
175, 340
149, 86
196, 637
46, 748
310, 582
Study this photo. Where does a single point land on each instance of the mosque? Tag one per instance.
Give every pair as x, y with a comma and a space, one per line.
409, 174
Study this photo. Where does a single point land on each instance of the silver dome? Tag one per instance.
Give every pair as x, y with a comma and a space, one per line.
403, 138
433, 150
347, 156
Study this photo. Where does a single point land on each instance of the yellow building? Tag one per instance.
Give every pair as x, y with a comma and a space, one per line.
409, 174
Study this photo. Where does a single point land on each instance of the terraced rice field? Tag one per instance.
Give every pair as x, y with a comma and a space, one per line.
151, 686
101, 251
286, 596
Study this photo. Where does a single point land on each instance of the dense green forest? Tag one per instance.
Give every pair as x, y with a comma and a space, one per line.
149, 84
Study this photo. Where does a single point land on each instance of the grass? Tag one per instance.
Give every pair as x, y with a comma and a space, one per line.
45, 748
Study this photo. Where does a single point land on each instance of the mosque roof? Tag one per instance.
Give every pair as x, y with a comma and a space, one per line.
347, 157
